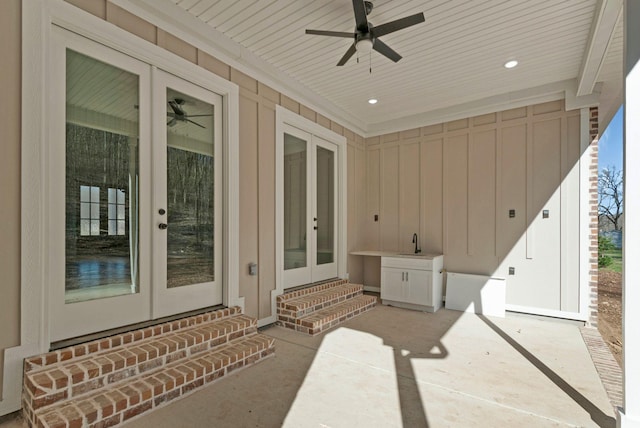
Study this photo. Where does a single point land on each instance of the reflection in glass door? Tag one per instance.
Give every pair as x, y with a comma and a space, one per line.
101, 154
325, 205
295, 202
310, 208
190, 196
187, 200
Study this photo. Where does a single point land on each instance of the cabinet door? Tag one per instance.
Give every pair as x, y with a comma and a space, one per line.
419, 286
392, 284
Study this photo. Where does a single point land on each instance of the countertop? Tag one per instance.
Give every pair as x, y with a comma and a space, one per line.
427, 256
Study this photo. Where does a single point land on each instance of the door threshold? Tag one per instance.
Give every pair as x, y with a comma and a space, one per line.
131, 327
313, 284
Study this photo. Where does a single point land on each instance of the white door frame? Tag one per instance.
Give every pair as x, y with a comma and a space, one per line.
284, 116
38, 17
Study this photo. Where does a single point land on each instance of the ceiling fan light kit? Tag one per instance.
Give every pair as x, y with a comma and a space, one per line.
364, 46
366, 36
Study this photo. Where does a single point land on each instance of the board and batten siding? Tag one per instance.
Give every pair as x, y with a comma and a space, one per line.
10, 76
454, 183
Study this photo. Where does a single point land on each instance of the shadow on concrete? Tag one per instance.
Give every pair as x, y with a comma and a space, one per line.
597, 415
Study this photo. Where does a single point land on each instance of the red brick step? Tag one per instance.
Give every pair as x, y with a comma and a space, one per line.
112, 406
127, 374
317, 308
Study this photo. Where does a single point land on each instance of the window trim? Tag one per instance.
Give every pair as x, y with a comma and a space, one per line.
117, 219
91, 203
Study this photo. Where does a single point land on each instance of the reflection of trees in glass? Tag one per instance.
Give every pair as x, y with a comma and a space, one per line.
101, 160
190, 217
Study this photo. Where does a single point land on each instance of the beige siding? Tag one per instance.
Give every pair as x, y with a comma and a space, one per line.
248, 201
389, 199
10, 178
409, 193
431, 195
266, 205
482, 195
471, 172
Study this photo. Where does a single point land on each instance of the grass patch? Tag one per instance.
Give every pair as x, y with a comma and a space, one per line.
616, 257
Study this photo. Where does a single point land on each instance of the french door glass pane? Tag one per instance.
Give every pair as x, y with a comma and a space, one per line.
325, 201
295, 202
190, 190
101, 153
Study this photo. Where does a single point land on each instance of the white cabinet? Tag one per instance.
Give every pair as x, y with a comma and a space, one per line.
412, 282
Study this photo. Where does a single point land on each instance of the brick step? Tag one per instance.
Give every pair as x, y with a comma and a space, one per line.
54, 357
79, 375
310, 290
144, 392
304, 305
324, 319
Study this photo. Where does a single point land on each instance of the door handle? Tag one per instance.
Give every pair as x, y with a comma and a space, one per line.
162, 226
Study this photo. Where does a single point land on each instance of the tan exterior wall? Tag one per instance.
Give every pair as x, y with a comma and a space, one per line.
454, 184
10, 28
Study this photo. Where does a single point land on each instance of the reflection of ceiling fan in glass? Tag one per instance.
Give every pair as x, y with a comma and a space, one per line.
179, 115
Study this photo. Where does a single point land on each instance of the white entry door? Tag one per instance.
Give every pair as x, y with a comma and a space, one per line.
187, 203
135, 190
310, 198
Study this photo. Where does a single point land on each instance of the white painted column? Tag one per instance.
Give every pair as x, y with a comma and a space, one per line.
629, 416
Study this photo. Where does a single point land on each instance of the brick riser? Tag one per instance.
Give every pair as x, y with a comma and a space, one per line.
319, 308
113, 385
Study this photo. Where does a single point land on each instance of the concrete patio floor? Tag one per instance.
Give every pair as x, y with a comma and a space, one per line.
392, 367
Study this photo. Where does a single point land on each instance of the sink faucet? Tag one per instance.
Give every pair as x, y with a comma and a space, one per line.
415, 241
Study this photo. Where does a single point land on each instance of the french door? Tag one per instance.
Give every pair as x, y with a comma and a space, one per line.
310, 168
188, 217
135, 168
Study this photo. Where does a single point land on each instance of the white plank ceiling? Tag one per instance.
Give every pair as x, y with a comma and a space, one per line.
455, 57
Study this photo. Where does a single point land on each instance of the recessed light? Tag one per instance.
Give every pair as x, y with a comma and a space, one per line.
510, 64
372, 100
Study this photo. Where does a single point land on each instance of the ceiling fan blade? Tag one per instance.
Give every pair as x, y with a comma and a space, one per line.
360, 12
347, 55
195, 123
330, 33
398, 24
386, 51
198, 115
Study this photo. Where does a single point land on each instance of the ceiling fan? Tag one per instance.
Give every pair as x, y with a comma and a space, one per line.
367, 36
178, 113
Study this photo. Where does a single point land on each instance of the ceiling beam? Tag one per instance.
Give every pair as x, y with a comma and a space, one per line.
606, 15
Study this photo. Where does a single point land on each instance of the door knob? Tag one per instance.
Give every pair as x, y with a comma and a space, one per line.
162, 226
